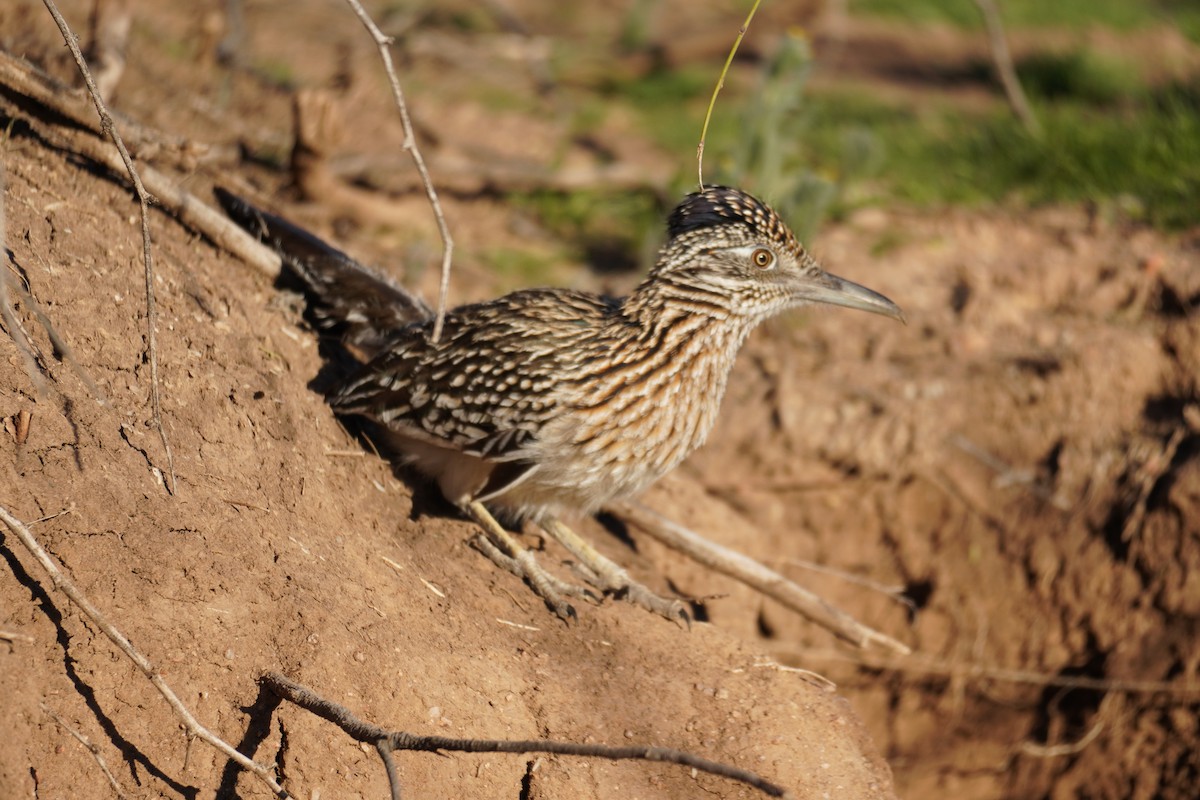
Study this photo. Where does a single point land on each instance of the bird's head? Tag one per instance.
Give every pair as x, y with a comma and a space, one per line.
724, 243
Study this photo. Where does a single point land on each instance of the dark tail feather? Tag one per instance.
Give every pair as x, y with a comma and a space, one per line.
346, 297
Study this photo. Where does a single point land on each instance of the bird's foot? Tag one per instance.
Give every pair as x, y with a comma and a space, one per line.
674, 610
611, 578
524, 565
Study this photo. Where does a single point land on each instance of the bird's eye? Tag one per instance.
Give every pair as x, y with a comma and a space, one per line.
763, 258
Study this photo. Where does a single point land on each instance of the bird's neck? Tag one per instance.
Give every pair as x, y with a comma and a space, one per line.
664, 301
676, 349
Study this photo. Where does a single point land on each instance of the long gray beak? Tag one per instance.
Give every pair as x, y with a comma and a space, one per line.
835, 291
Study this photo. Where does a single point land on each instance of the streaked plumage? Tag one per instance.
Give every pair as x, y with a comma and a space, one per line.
550, 401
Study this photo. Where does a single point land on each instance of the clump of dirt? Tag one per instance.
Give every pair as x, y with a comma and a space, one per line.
1018, 468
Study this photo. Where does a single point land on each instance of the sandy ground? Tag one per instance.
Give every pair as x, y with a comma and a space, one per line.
1018, 465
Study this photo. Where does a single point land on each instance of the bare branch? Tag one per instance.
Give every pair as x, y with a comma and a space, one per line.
17, 331
91, 748
921, 665
110, 130
399, 740
410, 144
756, 576
68, 587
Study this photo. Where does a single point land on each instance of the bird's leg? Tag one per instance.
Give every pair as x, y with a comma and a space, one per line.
613, 578
520, 562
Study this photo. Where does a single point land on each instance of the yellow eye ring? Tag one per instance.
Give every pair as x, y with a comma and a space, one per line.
762, 258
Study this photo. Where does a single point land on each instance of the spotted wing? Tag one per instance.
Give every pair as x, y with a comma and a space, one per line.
493, 380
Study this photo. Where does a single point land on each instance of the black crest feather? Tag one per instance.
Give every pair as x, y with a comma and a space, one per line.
723, 205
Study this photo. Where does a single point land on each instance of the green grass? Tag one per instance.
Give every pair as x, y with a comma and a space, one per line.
1109, 138
612, 230
1118, 14
670, 105
1143, 157
1079, 75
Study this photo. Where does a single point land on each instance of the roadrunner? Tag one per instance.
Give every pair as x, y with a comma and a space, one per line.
552, 401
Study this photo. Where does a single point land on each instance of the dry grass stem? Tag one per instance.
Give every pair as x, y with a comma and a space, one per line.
717, 90
1059, 750
895, 593
1005, 69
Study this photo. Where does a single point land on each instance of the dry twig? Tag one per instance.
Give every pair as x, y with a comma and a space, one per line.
383, 42
1149, 474
1007, 475
91, 748
893, 593
22, 339
923, 665
386, 741
16, 330
755, 575
1059, 750
144, 199
13, 636
68, 587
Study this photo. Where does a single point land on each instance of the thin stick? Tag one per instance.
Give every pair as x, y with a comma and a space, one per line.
399, 740
1004, 67
12, 636
917, 665
894, 593
756, 576
91, 748
15, 329
67, 587
410, 144
717, 90
63, 349
144, 200
1059, 750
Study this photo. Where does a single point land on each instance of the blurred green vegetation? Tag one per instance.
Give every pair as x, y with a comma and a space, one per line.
1110, 139
520, 268
1124, 143
1143, 160
613, 231
1122, 15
